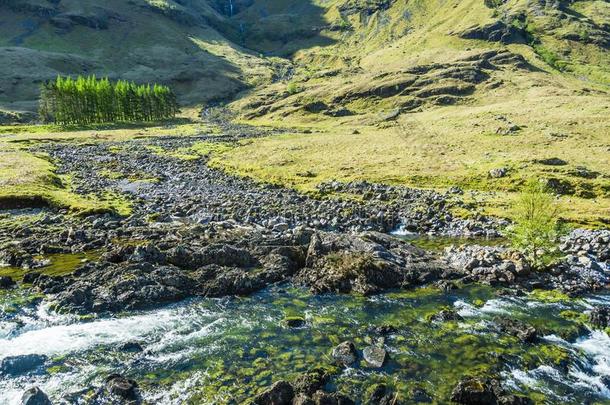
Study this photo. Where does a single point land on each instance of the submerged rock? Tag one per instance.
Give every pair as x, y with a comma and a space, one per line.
524, 332
446, 315
374, 355
295, 322
474, 391
131, 347
325, 398
6, 282
21, 364
123, 387
310, 382
600, 317
280, 393
35, 396
345, 353
381, 395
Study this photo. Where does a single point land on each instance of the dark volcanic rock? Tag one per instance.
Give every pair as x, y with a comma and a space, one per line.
280, 393
122, 387
35, 396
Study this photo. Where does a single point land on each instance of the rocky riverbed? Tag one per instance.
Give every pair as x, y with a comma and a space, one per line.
216, 287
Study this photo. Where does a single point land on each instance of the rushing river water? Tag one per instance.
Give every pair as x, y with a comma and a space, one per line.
224, 350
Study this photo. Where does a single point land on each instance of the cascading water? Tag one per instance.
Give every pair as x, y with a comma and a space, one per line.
210, 350
230, 8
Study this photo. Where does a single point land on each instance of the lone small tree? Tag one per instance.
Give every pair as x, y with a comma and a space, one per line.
537, 226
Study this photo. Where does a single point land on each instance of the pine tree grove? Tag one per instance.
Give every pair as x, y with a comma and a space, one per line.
88, 100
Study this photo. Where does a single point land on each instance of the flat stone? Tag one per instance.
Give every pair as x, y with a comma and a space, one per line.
375, 356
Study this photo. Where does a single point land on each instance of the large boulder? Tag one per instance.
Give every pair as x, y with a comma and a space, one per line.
367, 263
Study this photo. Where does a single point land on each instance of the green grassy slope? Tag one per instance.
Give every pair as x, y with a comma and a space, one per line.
141, 40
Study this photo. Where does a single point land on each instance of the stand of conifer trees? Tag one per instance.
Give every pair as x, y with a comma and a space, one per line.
87, 100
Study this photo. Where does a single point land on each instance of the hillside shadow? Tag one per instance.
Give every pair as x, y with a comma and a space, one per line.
278, 27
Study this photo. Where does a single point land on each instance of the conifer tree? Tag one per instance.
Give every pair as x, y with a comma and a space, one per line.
87, 100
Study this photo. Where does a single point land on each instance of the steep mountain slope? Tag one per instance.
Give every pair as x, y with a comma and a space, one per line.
141, 40
210, 50
405, 54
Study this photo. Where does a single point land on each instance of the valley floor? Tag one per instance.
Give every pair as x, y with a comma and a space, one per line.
144, 272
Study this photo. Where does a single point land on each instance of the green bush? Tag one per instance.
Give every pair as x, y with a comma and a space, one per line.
537, 226
293, 88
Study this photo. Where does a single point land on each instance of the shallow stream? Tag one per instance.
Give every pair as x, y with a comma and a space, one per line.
225, 350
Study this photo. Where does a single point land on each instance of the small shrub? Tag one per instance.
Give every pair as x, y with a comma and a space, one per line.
537, 227
293, 88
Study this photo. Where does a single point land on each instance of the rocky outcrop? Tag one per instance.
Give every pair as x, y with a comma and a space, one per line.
497, 31
366, 264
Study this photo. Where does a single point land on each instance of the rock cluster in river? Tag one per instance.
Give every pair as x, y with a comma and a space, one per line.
584, 268
135, 277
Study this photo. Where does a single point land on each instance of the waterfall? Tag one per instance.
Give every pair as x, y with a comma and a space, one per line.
230, 8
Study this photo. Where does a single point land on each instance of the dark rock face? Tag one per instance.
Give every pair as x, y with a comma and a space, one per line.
600, 317
6, 282
345, 354
280, 393
122, 387
35, 396
496, 32
22, 364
